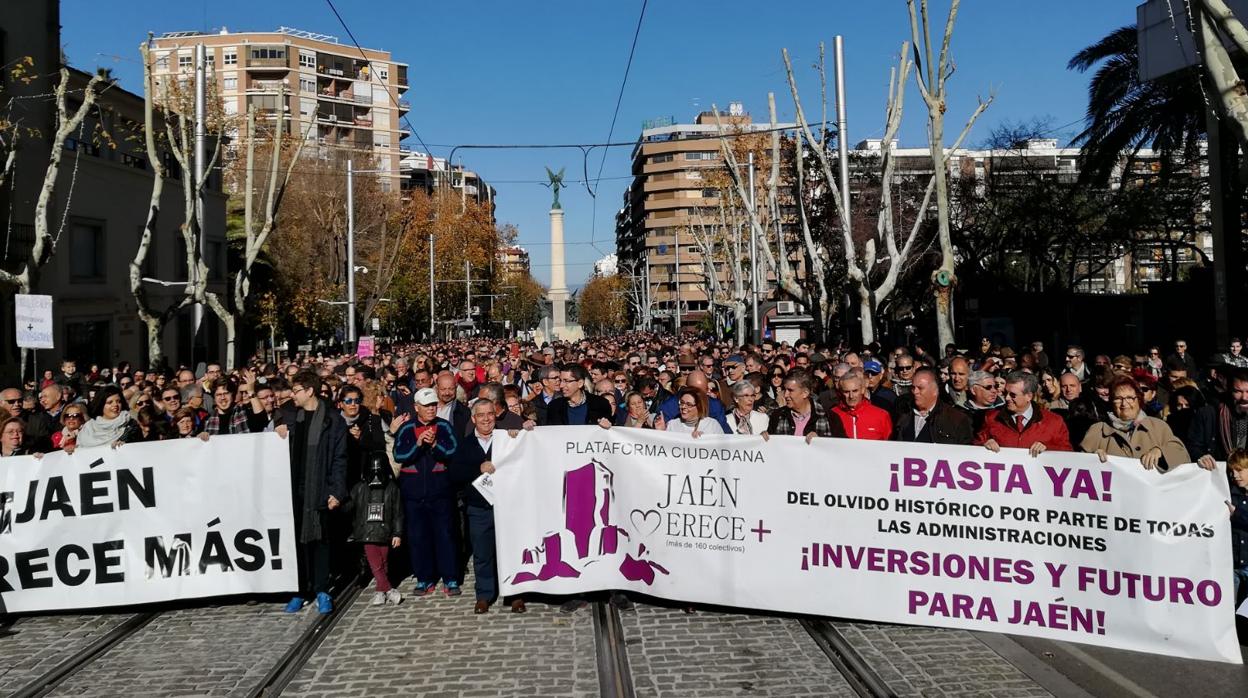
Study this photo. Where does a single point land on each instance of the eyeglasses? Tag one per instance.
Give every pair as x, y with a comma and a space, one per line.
142, 403
690, 405
1121, 367
14, 401
350, 401
986, 386
74, 415
1125, 398
905, 367
1072, 356
221, 393
168, 398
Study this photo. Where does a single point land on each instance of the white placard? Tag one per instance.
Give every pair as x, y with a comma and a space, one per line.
146, 522
1060, 546
33, 320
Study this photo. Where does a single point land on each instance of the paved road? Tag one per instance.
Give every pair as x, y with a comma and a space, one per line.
436, 646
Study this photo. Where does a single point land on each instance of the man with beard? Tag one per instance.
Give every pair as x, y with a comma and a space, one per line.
1218, 429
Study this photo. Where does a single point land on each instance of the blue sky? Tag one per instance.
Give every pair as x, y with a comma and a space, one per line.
511, 71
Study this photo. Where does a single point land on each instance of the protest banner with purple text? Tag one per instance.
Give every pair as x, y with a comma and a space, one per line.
146, 522
1059, 546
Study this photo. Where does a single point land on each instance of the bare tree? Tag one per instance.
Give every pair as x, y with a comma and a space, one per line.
44, 247
178, 141
930, 75
256, 229
1215, 20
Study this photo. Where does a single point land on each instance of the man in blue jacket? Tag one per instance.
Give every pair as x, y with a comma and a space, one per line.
698, 381
423, 447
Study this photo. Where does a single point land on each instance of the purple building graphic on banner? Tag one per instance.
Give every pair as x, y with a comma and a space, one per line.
588, 499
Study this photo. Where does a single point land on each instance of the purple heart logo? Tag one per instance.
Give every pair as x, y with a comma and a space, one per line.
643, 523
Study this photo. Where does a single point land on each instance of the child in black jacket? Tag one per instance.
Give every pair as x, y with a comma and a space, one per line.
377, 522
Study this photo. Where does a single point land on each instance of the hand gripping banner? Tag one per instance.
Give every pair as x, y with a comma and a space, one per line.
1060, 546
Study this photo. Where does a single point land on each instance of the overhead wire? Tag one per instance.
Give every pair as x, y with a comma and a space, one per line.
619, 98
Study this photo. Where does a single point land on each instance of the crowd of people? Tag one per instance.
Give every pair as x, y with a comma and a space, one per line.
384, 448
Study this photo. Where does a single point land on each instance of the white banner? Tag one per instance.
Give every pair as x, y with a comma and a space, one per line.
1060, 546
146, 522
32, 317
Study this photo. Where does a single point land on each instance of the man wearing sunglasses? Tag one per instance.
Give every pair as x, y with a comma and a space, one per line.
985, 398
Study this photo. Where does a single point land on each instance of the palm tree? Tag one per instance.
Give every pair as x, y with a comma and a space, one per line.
1126, 114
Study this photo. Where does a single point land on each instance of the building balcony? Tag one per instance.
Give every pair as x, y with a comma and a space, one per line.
404, 106
269, 63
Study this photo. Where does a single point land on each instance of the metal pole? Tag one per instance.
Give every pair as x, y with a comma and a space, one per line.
431, 322
842, 130
676, 278
468, 294
646, 315
200, 161
350, 258
756, 333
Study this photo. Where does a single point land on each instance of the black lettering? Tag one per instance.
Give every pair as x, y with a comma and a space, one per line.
127, 485
106, 564
90, 492
214, 553
29, 512
31, 568
62, 565
5, 587
251, 556
164, 559
55, 496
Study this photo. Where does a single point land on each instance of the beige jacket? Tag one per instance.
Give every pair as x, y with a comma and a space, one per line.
1150, 432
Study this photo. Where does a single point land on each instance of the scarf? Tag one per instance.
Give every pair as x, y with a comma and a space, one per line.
312, 472
1127, 426
743, 423
102, 432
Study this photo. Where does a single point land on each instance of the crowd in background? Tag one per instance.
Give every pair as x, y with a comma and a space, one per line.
384, 448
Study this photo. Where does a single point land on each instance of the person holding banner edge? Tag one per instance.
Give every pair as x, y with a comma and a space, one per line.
317, 436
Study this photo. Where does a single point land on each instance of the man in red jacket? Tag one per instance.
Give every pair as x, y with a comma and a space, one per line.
861, 419
1021, 423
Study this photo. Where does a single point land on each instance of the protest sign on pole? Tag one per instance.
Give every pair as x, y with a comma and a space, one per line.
1060, 546
146, 522
364, 347
33, 321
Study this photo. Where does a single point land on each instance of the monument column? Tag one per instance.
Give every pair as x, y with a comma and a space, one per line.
558, 293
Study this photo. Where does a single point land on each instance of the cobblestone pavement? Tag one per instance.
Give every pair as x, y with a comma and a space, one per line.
721, 654
916, 661
436, 646
208, 650
38, 643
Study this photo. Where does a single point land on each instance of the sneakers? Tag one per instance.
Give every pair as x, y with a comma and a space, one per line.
452, 589
379, 599
296, 605
424, 588
393, 596
324, 604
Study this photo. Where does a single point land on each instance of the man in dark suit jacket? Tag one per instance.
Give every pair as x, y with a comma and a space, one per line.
449, 407
929, 419
575, 405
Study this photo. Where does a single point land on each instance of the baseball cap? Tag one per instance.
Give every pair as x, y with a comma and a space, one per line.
872, 366
735, 359
426, 396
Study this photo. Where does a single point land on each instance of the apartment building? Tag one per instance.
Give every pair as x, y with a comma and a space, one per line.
344, 98
669, 191
1043, 158
513, 260
424, 172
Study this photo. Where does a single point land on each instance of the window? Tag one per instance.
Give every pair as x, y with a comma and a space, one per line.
162, 61
702, 155
268, 52
710, 193
307, 85
229, 56
229, 84
184, 61
87, 251
88, 341
307, 60
383, 72
665, 157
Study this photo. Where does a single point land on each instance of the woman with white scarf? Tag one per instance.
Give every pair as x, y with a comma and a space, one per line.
1126, 431
110, 422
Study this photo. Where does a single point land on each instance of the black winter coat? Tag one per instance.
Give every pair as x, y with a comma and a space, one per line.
1239, 527
946, 424
331, 457
466, 467
372, 440
596, 408
386, 508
